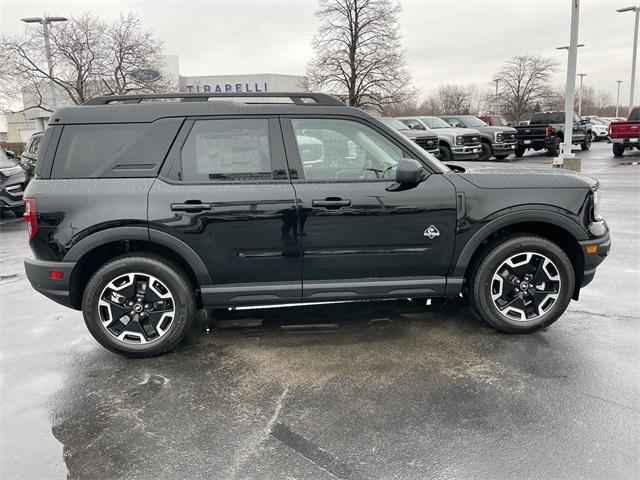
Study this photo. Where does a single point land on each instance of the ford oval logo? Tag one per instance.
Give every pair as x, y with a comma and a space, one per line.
527, 130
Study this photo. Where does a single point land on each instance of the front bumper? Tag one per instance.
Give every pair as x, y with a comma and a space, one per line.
593, 260
466, 152
39, 275
504, 148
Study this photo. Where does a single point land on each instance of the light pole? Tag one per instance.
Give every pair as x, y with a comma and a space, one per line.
581, 75
566, 47
571, 81
618, 97
635, 50
497, 80
45, 21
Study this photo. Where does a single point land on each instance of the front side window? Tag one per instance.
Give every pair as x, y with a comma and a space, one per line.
333, 149
435, 122
227, 149
413, 124
455, 122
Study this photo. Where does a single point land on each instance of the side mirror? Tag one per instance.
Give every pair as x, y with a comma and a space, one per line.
10, 153
410, 172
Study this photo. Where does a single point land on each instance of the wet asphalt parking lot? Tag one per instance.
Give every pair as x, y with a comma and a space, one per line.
389, 390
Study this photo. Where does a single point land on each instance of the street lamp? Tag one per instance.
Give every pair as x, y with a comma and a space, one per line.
618, 97
581, 75
45, 21
635, 49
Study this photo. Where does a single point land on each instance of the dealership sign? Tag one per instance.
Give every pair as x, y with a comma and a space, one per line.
253, 87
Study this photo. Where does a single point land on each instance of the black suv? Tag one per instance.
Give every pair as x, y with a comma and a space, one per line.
146, 208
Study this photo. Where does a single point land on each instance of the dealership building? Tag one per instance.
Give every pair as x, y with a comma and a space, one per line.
36, 118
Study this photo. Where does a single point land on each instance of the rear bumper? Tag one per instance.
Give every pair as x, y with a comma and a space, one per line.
593, 260
626, 141
39, 275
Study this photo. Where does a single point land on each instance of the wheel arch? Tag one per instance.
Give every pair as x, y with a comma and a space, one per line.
95, 250
550, 225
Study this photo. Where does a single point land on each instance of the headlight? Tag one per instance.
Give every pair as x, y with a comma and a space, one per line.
596, 206
459, 140
499, 137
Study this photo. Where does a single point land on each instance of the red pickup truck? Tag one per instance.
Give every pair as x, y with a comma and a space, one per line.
625, 135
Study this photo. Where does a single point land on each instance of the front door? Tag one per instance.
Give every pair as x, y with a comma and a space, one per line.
361, 236
225, 192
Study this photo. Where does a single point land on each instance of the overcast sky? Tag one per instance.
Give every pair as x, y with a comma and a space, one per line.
446, 41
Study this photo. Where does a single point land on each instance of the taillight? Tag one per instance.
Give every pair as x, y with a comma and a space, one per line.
548, 132
31, 217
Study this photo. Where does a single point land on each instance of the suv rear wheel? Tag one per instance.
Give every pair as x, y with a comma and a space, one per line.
522, 284
138, 305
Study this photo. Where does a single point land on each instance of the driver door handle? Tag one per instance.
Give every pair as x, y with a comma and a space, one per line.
190, 206
331, 203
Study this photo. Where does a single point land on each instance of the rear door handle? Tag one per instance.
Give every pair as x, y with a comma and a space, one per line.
190, 206
331, 203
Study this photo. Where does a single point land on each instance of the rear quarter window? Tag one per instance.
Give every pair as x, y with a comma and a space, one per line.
114, 150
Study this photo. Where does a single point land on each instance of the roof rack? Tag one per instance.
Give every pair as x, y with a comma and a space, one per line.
299, 98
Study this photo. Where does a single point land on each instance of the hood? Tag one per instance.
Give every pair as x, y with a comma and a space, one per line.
456, 131
413, 134
485, 175
490, 129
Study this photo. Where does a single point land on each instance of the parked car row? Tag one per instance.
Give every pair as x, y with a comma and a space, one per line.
15, 174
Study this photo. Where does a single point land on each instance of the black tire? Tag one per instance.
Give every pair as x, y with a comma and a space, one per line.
445, 153
586, 143
618, 149
487, 152
554, 149
481, 283
519, 151
170, 274
502, 157
594, 137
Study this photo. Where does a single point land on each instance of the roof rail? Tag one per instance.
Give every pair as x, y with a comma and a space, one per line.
299, 98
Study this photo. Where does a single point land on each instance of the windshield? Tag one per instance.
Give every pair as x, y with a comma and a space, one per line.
473, 122
434, 122
394, 123
5, 161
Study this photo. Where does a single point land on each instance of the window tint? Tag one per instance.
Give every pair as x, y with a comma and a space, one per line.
332, 149
227, 149
85, 149
545, 118
634, 116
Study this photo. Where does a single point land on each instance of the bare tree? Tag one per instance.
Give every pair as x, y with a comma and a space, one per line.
525, 83
454, 99
89, 57
358, 54
133, 57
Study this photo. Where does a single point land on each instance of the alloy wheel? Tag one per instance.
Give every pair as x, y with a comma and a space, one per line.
136, 308
525, 286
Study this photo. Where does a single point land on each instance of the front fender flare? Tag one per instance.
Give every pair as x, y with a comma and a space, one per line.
513, 218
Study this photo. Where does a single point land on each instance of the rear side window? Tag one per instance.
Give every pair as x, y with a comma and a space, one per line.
84, 148
545, 118
227, 149
114, 149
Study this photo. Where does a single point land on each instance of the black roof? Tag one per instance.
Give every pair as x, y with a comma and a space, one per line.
150, 107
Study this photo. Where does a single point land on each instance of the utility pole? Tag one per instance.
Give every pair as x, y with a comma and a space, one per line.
635, 51
581, 75
497, 80
618, 98
45, 21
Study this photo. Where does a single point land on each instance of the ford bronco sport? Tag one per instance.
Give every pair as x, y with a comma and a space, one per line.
145, 208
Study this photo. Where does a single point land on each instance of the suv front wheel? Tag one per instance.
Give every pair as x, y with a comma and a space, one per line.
138, 305
521, 284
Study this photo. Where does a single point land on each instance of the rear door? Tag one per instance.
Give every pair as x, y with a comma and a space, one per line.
225, 192
361, 235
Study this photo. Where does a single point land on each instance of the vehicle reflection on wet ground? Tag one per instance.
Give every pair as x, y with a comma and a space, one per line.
371, 390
